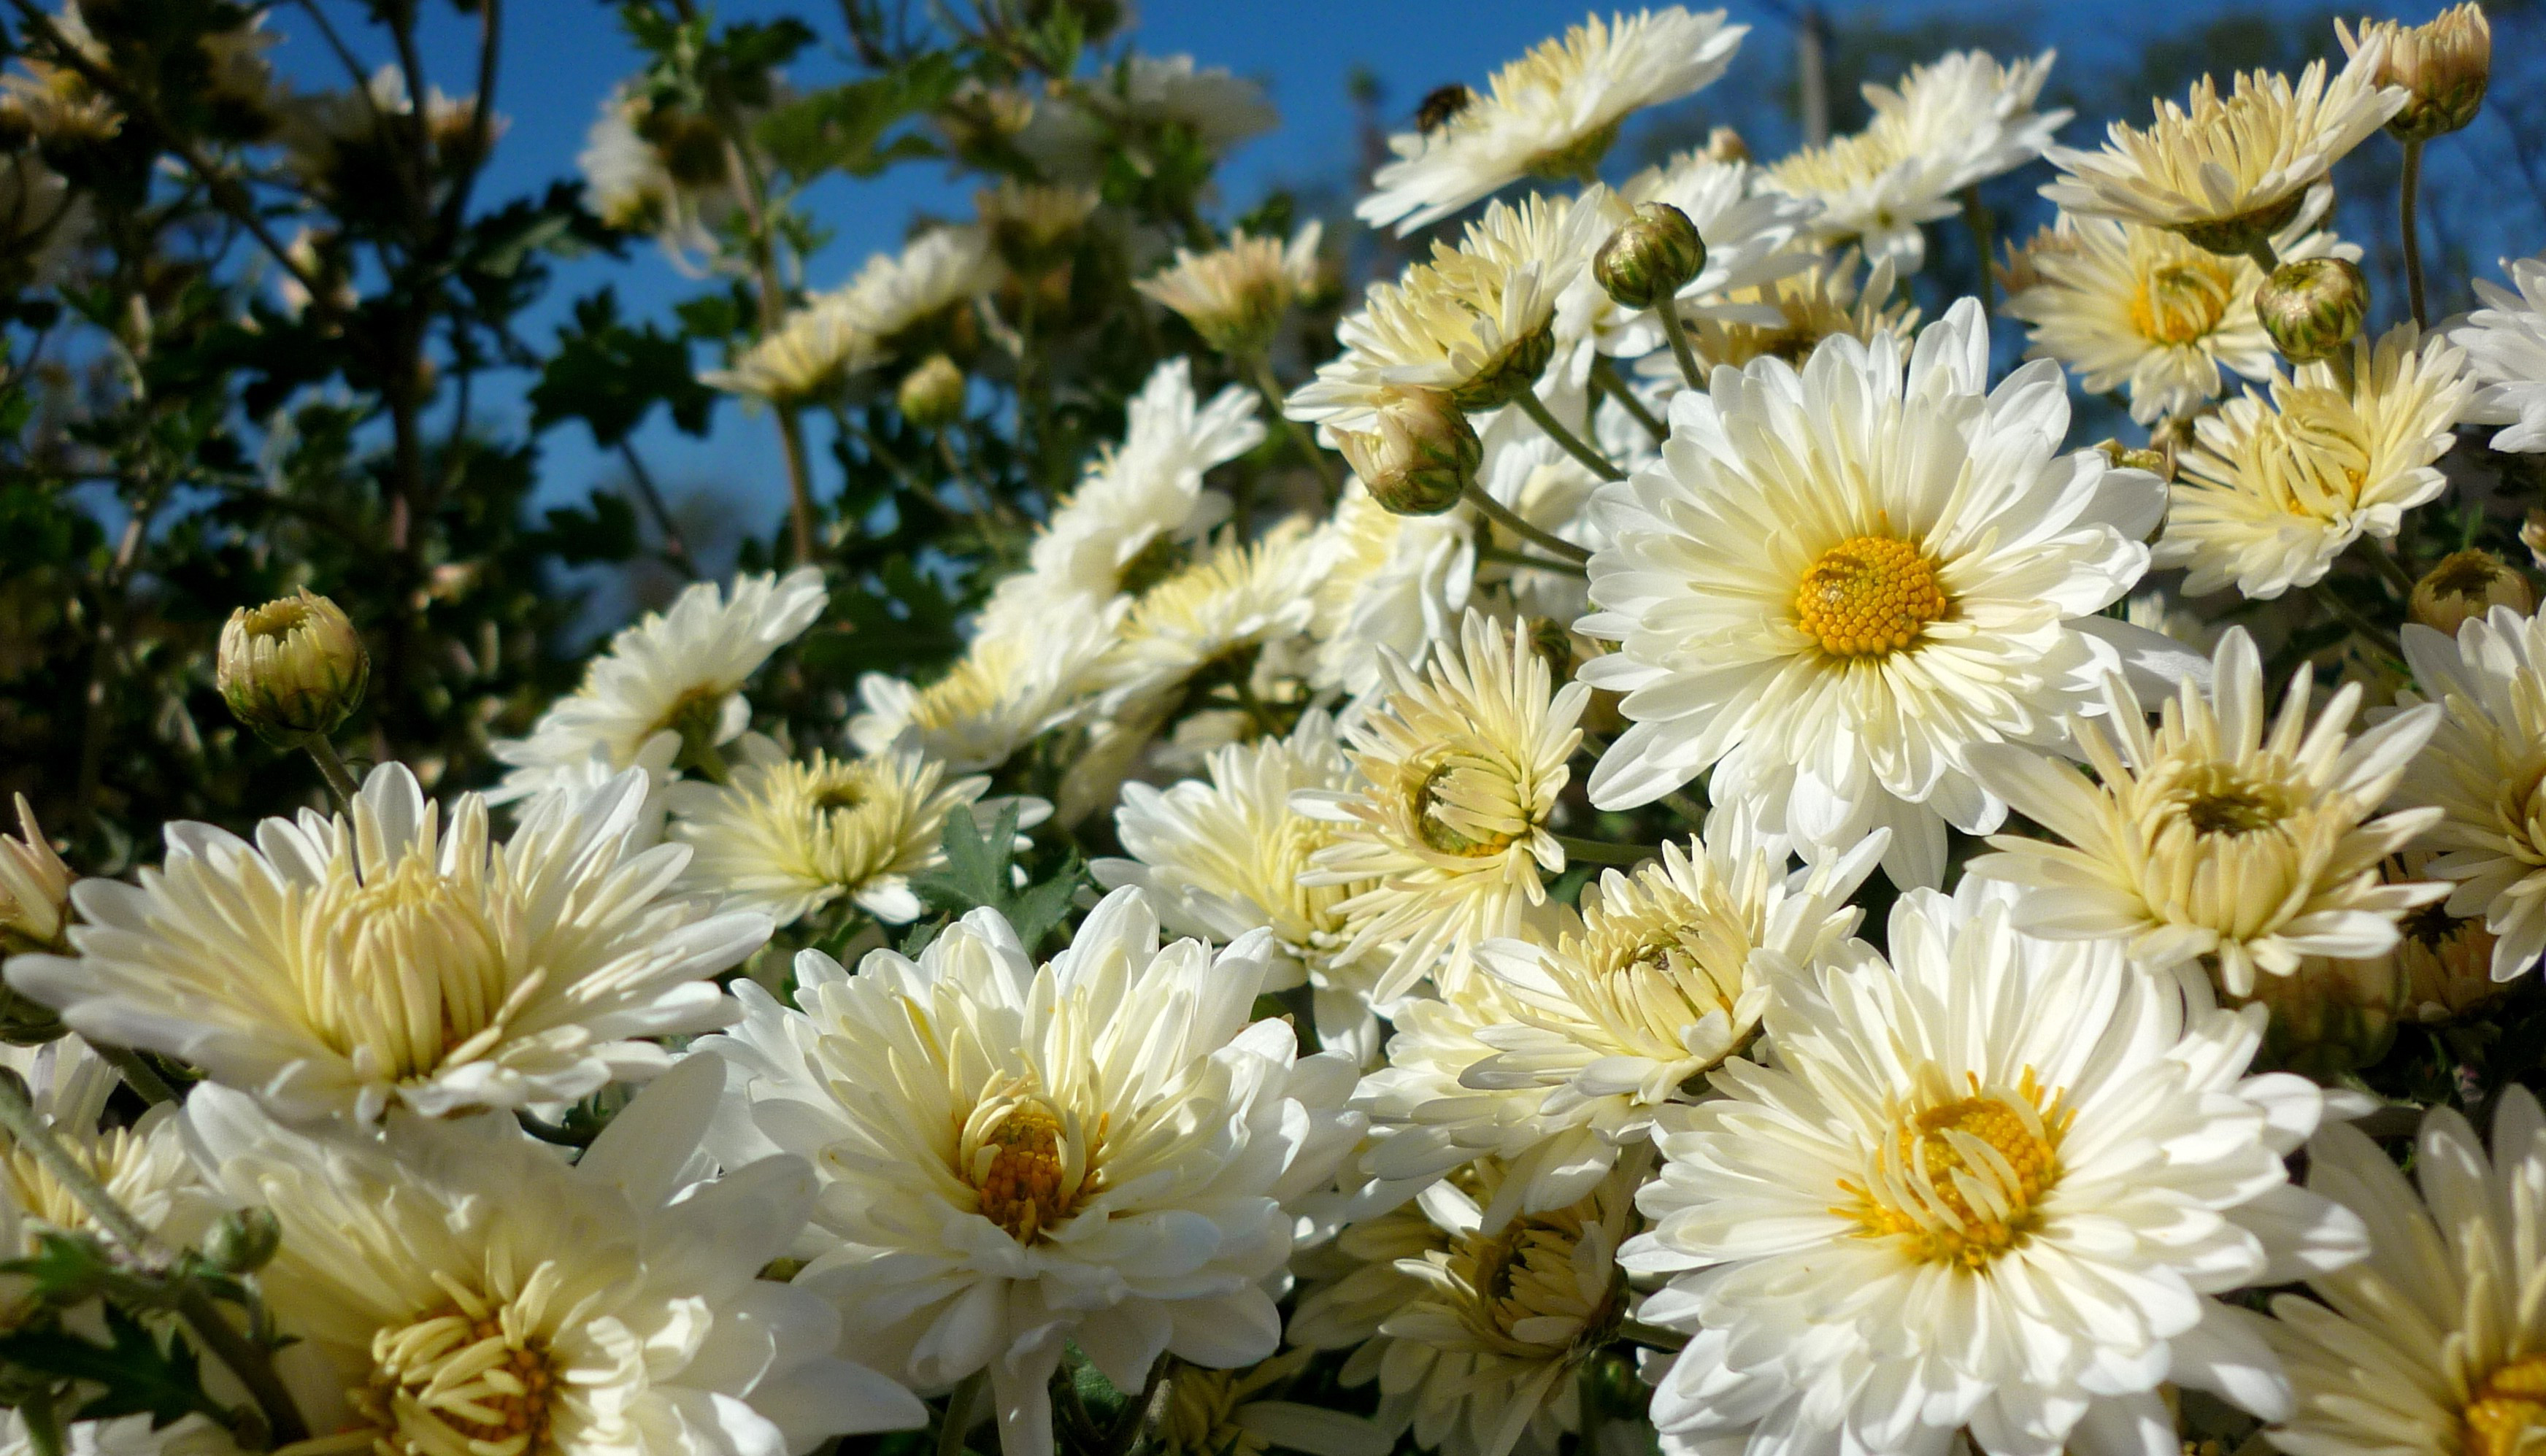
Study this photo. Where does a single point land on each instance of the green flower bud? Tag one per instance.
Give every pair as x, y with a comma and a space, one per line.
932, 395
2313, 306
293, 668
1419, 456
2465, 584
1650, 257
243, 1241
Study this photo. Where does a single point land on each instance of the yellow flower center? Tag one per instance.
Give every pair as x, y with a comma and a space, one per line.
2505, 1411
1868, 596
409, 969
2179, 303
1960, 1183
1031, 1166
470, 1379
1441, 818
1527, 1291
2217, 800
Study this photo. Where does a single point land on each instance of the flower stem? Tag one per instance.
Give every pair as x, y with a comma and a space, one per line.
959, 1413
137, 1074
2398, 574
1616, 386
2264, 255
2408, 196
340, 780
799, 483
1653, 1334
1976, 216
1574, 445
1602, 852
1677, 333
1535, 563
2361, 627
1503, 516
1260, 369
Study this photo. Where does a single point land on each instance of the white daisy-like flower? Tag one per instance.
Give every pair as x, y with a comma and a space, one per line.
1236, 599
454, 1288
1988, 1185
2484, 775
1004, 693
679, 671
1749, 230
1476, 1327
2435, 1345
1096, 1151
1235, 295
120, 1435
2217, 834
1069, 133
1461, 763
2272, 493
143, 1166
2506, 347
813, 353
1476, 321
1835, 582
788, 836
340, 968
1552, 112
2124, 305
1788, 316
1386, 584
2226, 172
1223, 856
1558, 1055
898, 294
658, 170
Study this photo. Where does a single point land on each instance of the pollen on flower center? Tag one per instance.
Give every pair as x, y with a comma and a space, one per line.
2179, 303
1868, 596
1030, 1166
2506, 1408
470, 1379
412, 971
2217, 800
1961, 1182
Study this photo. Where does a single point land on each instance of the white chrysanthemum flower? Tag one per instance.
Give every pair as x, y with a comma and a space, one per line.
1235, 295
2122, 304
1238, 598
1557, 1055
316, 129
1989, 1185
339, 968
1069, 132
2436, 1344
1224, 1413
43, 221
1476, 321
1096, 1151
2484, 775
786, 837
1386, 584
2216, 834
35, 886
1226, 856
679, 671
454, 1288
812, 354
655, 170
1835, 583
1958, 121
942, 269
1788, 318
1552, 112
1748, 227
1476, 1327
143, 1166
2271, 494
2506, 347
2221, 172
120, 1435
1461, 765
1004, 693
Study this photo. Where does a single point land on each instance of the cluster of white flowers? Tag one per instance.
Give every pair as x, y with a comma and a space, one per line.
1933, 1083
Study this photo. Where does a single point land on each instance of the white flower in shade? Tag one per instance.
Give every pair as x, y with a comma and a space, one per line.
679, 671
2506, 347
1551, 113
2436, 1344
1235, 297
144, 1166
1560, 1053
120, 1435
1987, 1184
1005, 692
1788, 318
2223, 172
812, 354
35, 886
1224, 856
787, 837
1215, 614
2218, 833
1096, 1151
1835, 582
1461, 763
1748, 228
2485, 774
1961, 120
661, 170
1476, 321
2272, 493
454, 1288
1474, 1326
336, 967
2122, 304
1069, 132
941, 270
1219, 1412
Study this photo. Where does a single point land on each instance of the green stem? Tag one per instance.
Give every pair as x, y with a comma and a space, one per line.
1575, 445
2409, 191
340, 780
1611, 380
959, 1414
43, 1422
1976, 216
137, 1074
1524, 558
1677, 333
1602, 852
2264, 256
246, 1361
28, 1130
2397, 573
1653, 1334
1503, 516
1256, 710
2361, 627
1260, 369
1587, 1439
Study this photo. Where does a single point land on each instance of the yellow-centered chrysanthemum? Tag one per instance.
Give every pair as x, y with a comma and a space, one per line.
1235, 297
811, 355
1788, 318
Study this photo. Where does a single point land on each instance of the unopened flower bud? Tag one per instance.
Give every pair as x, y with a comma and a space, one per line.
2442, 66
1724, 145
2137, 458
2468, 583
932, 395
2313, 306
293, 668
35, 888
1504, 378
243, 1241
2330, 1016
1650, 257
1419, 456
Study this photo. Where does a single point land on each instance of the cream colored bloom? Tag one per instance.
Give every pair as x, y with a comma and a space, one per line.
35, 887
339, 968
1215, 614
1834, 584
2443, 64
1032, 225
1387, 581
1000, 696
1989, 1184
811, 355
679, 671
293, 667
788, 836
1788, 318
2505, 347
1552, 112
2484, 775
898, 295
1094, 1151
1477, 1326
2274, 492
658, 169
1476, 321
2225, 172
1072, 131
1235, 297
143, 1165
454, 1288
2217, 834
2435, 1346
1461, 763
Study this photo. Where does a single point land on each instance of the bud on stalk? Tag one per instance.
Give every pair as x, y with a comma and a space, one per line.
2313, 308
1421, 456
1651, 256
293, 668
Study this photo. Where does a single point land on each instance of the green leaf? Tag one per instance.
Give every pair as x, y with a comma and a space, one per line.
980, 874
610, 376
137, 1374
66, 1268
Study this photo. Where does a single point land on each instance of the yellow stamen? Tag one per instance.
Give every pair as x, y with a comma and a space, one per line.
1868, 596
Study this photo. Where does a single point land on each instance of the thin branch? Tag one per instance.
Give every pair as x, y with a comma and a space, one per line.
1503, 516
1615, 385
1574, 445
675, 550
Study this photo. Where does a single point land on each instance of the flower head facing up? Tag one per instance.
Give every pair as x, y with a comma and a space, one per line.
1552, 112
342, 966
293, 668
2484, 775
2442, 66
1235, 297
1788, 316
1972, 1126
1835, 582
1461, 762
811, 355
2217, 834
